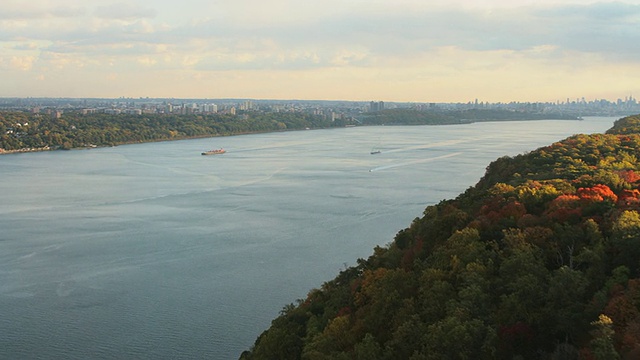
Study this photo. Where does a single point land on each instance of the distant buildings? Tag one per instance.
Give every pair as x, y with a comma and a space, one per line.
209, 108
376, 106
334, 110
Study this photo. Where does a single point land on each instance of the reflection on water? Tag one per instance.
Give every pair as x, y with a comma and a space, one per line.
154, 251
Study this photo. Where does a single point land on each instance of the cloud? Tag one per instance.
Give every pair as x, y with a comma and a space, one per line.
609, 29
379, 31
25, 46
124, 11
23, 63
236, 60
405, 39
389, 32
147, 61
27, 11
600, 11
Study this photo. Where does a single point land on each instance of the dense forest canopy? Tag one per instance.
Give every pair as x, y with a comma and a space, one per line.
450, 117
539, 260
20, 130
25, 131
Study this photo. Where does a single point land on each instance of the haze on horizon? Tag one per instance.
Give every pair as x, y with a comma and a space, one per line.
392, 50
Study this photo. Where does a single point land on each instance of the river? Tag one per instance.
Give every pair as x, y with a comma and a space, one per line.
152, 251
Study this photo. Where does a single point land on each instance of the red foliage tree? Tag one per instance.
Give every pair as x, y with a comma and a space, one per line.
629, 176
629, 199
622, 308
564, 208
597, 193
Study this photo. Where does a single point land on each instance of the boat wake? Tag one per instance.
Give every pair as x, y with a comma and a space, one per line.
385, 167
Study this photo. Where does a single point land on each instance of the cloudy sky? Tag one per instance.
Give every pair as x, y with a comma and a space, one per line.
391, 50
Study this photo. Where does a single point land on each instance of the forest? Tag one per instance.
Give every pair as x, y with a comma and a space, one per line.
24, 131
451, 117
21, 130
539, 260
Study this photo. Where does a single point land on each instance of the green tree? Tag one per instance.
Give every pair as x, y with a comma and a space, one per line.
625, 238
602, 342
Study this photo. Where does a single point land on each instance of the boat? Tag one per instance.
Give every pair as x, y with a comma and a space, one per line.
215, 152
376, 149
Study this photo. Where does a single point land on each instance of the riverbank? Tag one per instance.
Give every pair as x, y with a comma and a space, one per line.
226, 134
25, 150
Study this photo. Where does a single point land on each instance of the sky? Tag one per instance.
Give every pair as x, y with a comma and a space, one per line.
389, 50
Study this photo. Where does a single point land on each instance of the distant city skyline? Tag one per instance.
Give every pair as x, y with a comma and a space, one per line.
340, 108
392, 51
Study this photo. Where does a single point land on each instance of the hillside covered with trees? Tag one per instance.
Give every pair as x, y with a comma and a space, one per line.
25, 131
539, 260
451, 117
21, 130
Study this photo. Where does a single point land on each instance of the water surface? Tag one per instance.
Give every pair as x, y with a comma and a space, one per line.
153, 251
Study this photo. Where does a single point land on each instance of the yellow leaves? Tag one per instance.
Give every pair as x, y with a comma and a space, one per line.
603, 320
501, 189
534, 192
627, 226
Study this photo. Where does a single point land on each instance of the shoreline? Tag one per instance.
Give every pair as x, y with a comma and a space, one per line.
25, 150
92, 146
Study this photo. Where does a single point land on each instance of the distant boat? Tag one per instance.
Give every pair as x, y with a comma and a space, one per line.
376, 149
215, 152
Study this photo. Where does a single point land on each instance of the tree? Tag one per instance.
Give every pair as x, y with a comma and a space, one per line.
602, 342
566, 304
625, 239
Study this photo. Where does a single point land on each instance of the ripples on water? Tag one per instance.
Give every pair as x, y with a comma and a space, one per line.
154, 251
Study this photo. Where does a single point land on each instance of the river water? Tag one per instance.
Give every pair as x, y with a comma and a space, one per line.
152, 251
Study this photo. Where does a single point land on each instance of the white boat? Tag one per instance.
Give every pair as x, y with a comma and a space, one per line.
215, 152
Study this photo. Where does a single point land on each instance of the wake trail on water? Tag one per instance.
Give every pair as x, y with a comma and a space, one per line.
468, 139
279, 145
386, 167
427, 146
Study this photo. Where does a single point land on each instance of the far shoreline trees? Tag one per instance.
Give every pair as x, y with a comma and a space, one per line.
21, 131
24, 131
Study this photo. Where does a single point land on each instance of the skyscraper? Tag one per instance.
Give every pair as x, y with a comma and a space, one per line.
376, 106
